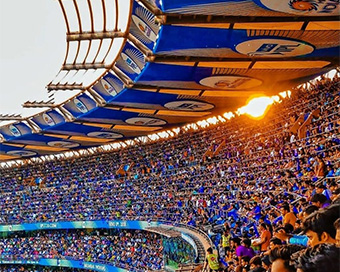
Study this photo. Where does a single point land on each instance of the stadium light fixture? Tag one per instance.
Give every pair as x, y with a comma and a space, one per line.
228, 115
176, 130
212, 120
221, 119
276, 99
284, 94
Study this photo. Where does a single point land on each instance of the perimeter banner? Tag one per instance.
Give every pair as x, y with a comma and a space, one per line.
114, 224
67, 263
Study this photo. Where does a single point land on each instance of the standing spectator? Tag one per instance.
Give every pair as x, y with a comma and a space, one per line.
320, 167
264, 238
211, 261
225, 241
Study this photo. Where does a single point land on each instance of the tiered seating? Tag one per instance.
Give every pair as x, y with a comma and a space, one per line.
131, 250
236, 173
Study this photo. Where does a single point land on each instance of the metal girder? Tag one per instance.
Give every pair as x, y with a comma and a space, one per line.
140, 45
64, 87
85, 66
182, 19
97, 35
35, 128
155, 10
39, 104
96, 97
10, 117
67, 115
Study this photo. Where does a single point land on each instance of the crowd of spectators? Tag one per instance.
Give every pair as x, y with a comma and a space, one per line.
131, 250
261, 180
312, 248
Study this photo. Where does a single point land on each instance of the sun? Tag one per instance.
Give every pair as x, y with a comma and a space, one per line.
257, 107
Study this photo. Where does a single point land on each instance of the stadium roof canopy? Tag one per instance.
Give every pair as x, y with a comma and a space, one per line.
171, 62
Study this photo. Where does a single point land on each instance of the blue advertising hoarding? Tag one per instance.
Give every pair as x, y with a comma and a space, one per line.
105, 224
67, 263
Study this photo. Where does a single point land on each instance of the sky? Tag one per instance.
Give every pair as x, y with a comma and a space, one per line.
32, 49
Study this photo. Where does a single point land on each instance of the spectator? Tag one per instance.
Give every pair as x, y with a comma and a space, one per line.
245, 263
266, 264
264, 239
280, 258
288, 216
319, 226
322, 189
244, 249
274, 242
319, 200
225, 241
322, 257
256, 264
337, 235
211, 261
320, 168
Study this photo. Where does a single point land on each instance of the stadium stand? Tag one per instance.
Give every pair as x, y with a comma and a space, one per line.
85, 186
256, 183
176, 165
134, 251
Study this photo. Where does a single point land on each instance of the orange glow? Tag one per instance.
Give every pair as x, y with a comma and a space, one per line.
228, 115
257, 107
283, 94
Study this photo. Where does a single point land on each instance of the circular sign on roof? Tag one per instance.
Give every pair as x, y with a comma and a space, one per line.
108, 87
130, 63
22, 153
274, 48
303, 7
48, 120
144, 28
189, 105
63, 144
80, 105
105, 135
145, 121
14, 130
230, 82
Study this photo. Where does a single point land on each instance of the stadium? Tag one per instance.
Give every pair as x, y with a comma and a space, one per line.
200, 135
